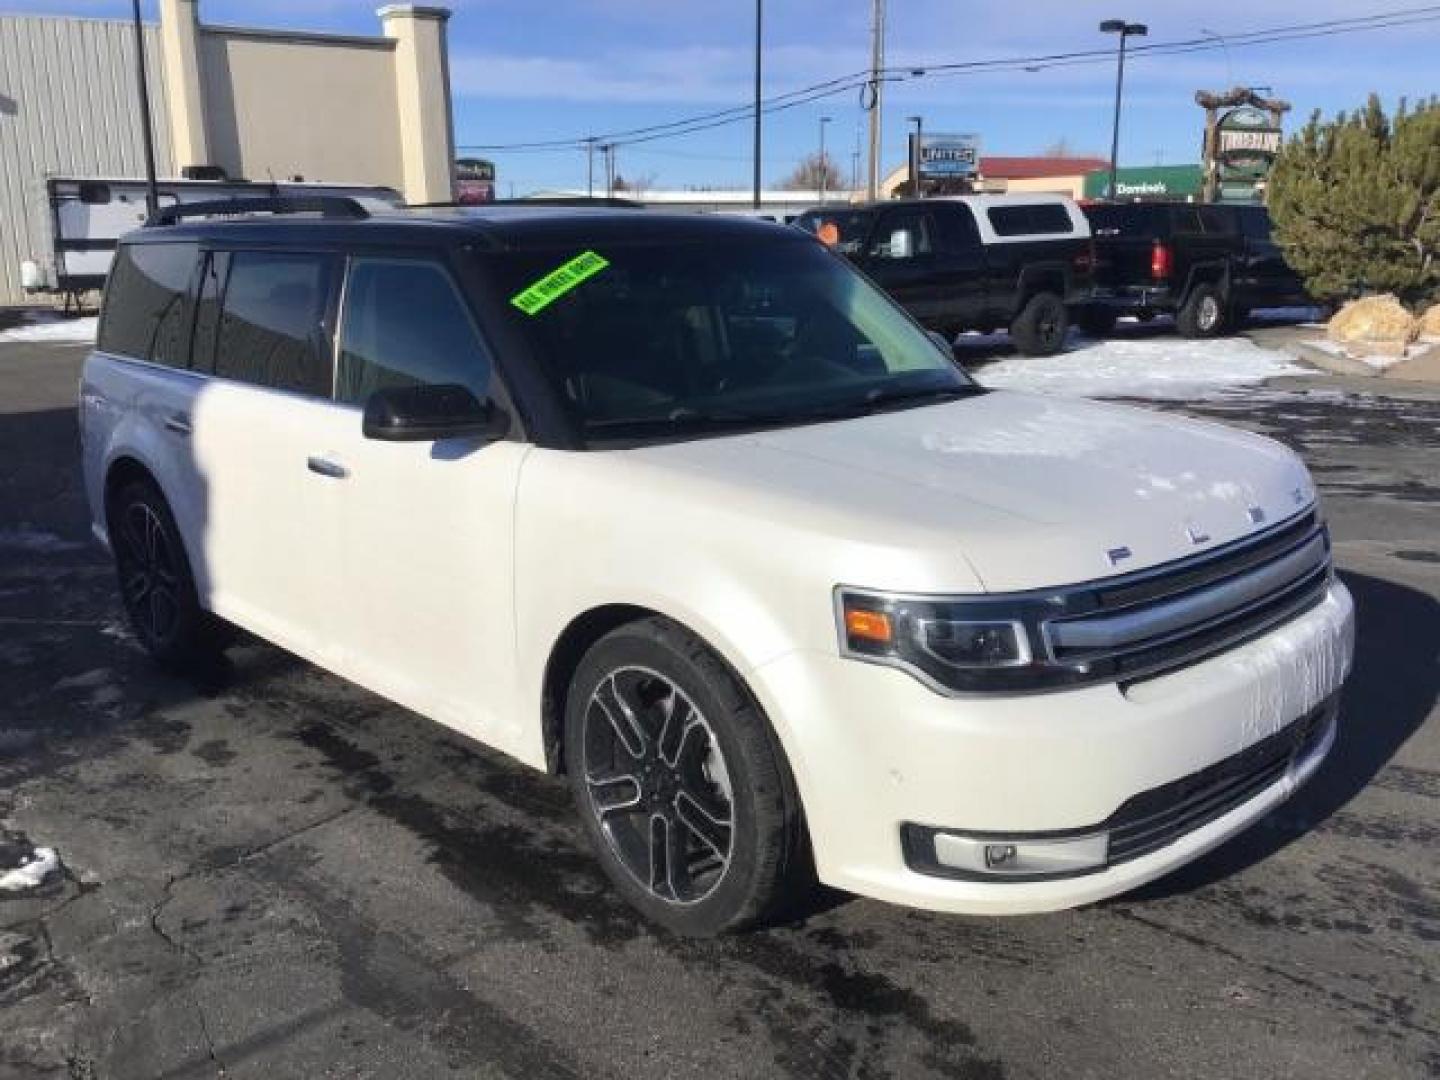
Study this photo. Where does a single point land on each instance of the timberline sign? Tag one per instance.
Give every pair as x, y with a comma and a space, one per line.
1241, 143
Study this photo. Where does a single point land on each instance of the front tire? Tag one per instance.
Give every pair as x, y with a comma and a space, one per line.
157, 588
681, 783
1041, 326
1203, 313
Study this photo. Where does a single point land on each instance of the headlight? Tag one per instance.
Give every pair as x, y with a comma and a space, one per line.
954, 645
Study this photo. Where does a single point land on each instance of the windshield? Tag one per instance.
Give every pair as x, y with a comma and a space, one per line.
652, 341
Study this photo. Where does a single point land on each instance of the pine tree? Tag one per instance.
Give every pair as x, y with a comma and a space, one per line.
1356, 202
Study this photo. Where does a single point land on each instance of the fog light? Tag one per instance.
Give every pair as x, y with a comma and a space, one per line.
1021, 857
997, 855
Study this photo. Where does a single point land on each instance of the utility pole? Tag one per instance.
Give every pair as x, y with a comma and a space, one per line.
1125, 30
152, 193
759, 25
824, 161
590, 167
877, 65
608, 150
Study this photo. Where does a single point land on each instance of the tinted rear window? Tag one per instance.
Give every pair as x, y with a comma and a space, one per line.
147, 307
1036, 219
1131, 220
271, 329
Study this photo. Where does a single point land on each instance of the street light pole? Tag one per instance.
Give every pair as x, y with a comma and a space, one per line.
759, 25
824, 163
1125, 30
152, 194
915, 155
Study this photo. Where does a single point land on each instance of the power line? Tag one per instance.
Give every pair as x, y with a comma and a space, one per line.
862, 80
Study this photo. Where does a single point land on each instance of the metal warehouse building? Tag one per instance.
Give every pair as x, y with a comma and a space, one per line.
252, 103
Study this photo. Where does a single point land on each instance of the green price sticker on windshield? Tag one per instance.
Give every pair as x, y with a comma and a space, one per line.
559, 282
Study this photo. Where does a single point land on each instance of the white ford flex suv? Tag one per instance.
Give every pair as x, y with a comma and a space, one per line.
684, 508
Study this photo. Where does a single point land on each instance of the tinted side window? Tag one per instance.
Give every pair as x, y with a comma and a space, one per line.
147, 306
1048, 219
271, 329
957, 224
405, 324
904, 234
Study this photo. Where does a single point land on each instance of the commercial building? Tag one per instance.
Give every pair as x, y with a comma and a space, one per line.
1184, 182
233, 102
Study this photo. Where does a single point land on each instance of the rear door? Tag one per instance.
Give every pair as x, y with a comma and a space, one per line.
260, 425
139, 378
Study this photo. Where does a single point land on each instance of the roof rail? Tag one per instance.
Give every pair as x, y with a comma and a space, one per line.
330, 206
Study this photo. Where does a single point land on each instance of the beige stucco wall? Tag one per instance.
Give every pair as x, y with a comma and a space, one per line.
280, 106
1074, 186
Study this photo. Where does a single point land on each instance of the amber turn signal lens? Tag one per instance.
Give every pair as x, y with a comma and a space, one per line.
868, 625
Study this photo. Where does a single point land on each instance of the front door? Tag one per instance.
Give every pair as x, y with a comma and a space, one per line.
426, 538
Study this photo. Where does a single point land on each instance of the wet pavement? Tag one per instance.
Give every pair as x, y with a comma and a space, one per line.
273, 873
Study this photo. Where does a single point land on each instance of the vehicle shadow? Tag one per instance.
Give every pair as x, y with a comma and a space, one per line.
1391, 691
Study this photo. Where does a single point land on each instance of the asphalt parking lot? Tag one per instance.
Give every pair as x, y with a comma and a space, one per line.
273, 873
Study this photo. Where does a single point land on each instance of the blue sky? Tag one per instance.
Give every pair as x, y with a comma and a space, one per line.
524, 70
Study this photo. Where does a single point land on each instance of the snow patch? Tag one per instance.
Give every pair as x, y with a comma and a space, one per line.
53, 331
1159, 370
42, 864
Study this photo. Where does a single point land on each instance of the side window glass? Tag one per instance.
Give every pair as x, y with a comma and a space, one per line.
147, 303
213, 271
271, 329
961, 232
405, 324
904, 236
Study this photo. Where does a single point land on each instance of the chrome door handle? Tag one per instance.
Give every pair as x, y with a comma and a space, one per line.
326, 467
179, 423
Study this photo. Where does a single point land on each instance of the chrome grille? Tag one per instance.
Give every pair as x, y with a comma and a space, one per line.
1159, 620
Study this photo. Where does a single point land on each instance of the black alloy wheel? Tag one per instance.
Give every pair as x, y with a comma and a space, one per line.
157, 589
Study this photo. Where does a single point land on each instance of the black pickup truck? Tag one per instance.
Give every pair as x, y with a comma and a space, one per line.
1207, 263
971, 262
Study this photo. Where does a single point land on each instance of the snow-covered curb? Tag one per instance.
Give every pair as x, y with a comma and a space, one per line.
1161, 369
42, 864
53, 331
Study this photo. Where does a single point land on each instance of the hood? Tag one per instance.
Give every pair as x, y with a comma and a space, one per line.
1031, 491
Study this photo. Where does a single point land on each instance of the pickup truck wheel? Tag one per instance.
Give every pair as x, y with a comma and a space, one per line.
157, 588
1203, 313
681, 783
1040, 328
1096, 322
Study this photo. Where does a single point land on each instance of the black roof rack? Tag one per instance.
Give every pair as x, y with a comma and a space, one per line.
329, 206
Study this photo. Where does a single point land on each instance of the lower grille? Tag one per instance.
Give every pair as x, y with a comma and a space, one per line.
1161, 815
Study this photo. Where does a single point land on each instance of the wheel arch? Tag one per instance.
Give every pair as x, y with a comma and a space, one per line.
588, 627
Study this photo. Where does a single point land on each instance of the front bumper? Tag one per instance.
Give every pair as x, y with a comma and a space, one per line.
874, 751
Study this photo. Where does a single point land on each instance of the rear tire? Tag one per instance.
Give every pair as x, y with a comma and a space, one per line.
1203, 313
1096, 322
681, 783
1040, 327
157, 588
